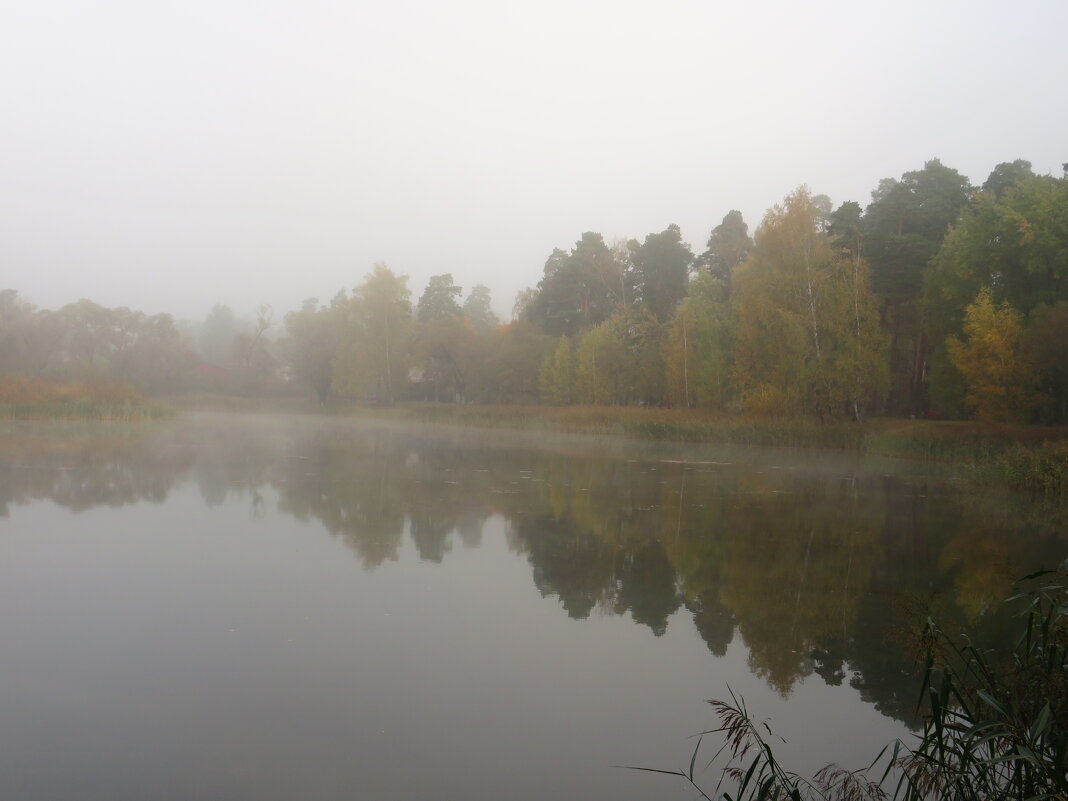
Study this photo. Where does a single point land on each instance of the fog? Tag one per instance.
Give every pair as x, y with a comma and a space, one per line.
173, 156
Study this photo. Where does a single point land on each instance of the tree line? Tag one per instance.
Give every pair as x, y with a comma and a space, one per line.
938, 299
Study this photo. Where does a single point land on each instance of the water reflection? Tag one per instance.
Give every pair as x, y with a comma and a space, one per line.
79, 467
817, 568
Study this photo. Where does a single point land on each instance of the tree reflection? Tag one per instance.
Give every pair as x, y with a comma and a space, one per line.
572, 564
353, 487
80, 467
819, 571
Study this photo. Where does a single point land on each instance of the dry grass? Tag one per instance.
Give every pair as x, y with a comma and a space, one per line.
33, 399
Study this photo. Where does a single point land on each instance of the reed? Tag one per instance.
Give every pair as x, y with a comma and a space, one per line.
1041, 470
995, 724
33, 399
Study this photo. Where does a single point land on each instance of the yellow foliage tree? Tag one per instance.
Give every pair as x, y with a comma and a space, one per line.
807, 337
697, 346
997, 378
597, 359
620, 361
557, 380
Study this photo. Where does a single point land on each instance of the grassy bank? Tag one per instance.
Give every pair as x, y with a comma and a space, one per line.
1030, 458
30, 399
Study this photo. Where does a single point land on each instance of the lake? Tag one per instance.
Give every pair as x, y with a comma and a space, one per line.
308, 608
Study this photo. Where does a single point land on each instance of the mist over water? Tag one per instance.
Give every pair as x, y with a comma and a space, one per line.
293, 607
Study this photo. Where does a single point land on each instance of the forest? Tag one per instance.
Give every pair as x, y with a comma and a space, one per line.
939, 299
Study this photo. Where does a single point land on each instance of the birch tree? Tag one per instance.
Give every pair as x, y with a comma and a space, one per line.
808, 339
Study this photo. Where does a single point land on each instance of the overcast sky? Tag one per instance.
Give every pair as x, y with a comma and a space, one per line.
170, 156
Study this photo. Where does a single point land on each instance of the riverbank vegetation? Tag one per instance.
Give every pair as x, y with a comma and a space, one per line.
995, 723
938, 300
29, 399
1026, 457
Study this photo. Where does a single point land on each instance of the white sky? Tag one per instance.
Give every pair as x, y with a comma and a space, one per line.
170, 156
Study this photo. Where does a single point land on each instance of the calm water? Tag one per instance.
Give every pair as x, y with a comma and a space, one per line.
292, 608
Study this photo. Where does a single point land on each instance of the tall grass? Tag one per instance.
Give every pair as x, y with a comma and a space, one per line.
674, 425
32, 399
995, 725
1041, 470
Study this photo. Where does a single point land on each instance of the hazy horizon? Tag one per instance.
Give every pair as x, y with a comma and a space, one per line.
169, 158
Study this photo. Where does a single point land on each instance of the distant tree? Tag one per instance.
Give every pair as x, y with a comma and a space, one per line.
153, 355
438, 301
508, 365
479, 310
728, 246
990, 359
314, 336
254, 362
597, 356
442, 351
620, 361
84, 340
697, 349
868, 359
661, 270
904, 227
522, 304
87, 332
442, 339
1016, 245
846, 227
557, 377
824, 209
807, 337
372, 362
18, 329
1046, 349
577, 290
217, 335
1006, 175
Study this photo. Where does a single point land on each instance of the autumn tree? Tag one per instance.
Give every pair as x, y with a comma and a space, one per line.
1016, 244
372, 361
313, 338
807, 337
597, 355
620, 361
697, 346
990, 358
866, 355
557, 376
